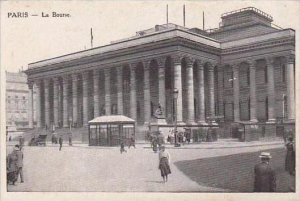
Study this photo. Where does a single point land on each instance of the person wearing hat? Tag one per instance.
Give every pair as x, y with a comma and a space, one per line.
290, 156
19, 163
164, 163
265, 178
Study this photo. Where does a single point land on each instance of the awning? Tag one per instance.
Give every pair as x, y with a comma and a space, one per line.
110, 119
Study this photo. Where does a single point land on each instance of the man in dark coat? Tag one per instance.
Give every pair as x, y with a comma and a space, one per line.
12, 167
20, 157
265, 178
60, 140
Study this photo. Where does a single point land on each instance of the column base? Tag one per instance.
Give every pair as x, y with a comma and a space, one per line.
253, 121
202, 122
191, 123
271, 121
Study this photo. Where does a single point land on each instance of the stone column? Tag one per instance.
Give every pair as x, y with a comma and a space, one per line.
190, 91
133, 91
120, 90
38, 103
161, 84
147, 95
178, 86
290, 87
96, 92
211, 78
65, 101
236, 92
85, 88
107, 91
30, 105
75, 98
201, 92
55, 101
253, 100
47, 103
271, 89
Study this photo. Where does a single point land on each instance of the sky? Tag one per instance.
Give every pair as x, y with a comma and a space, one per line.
27, 40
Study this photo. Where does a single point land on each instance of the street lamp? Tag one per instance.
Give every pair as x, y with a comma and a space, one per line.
175, 96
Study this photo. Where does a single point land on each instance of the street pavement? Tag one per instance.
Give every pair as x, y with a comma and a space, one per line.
104, 169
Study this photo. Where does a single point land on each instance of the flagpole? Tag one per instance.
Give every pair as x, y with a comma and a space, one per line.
92, 37
184, 15
167, 14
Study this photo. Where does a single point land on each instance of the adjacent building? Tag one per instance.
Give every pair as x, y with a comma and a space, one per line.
242, 71
17, 95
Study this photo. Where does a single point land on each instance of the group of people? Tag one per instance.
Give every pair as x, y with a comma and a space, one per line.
14, 165
131, 143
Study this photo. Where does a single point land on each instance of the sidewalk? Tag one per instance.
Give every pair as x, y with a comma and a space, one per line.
220, 144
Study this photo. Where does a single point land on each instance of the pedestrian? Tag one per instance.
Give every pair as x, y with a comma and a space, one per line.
21, 142
131, 142
122, 148
154, 144
164, 163
60, 140
12, 167
20, 158
265, 178
70, 139
290, 156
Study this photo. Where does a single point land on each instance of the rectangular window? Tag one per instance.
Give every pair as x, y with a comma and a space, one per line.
266, 74
283, 73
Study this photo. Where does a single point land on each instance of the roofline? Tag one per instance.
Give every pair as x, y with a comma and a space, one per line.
130, 39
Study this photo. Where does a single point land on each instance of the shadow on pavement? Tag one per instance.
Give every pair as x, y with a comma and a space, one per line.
235, 172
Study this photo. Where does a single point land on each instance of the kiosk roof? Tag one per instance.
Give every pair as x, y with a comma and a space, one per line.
112, 119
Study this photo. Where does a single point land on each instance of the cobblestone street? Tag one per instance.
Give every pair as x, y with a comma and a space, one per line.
83, 168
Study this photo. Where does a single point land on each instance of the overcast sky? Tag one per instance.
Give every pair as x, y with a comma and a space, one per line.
26, 40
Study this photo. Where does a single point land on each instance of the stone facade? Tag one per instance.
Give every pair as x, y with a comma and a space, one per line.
219, 72
20, 112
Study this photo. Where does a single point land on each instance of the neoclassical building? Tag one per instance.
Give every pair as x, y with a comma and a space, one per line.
244, 71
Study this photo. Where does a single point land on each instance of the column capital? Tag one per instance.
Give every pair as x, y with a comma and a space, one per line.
46, 82
96, 74
190, 61
290, 59
106, 71
74, 77
65, 78
133, 66
177, 58
200, 64
211, 67
85, 75
251, 63
146, 63
30, 84
269, 60
161, 61
38, 83
235, 66
119, 70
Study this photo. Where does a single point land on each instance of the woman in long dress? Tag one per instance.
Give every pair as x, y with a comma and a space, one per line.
164, 164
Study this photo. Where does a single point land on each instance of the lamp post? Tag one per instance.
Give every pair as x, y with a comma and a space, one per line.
175, 96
